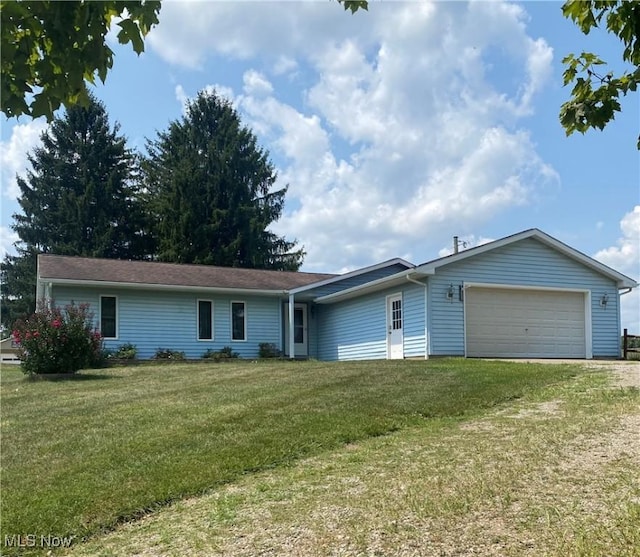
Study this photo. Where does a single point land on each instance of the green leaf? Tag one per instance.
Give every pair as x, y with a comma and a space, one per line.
130, 33
591, 107
355, 5
56, 47
41, 106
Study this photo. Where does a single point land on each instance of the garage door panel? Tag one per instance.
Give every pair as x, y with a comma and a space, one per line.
524, 323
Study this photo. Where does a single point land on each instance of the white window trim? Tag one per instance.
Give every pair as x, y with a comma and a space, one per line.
213, 326
117, 314
231, 320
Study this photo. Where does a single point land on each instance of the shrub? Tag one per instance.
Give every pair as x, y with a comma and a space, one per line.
168, 354
125, 351
268, 350
224, 353
55, 340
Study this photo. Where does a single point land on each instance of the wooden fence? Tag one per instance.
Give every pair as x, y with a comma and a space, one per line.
625, 344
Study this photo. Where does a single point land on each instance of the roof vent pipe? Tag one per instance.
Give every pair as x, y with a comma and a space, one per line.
455, 244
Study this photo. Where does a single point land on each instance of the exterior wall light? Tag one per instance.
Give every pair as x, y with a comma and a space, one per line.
450, 292
604, 300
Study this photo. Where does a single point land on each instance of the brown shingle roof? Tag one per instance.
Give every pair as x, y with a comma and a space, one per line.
67, 268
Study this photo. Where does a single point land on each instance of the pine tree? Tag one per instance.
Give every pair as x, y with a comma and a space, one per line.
18, 278
210, 192
80, 198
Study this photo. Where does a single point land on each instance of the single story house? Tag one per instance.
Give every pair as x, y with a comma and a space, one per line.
526, 295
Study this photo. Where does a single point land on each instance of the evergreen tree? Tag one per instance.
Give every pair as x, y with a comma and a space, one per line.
80, 198
18, 277
210, 192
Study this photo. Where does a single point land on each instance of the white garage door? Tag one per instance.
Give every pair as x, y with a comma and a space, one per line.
514, 323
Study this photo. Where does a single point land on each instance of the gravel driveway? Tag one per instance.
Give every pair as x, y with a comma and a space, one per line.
625, 372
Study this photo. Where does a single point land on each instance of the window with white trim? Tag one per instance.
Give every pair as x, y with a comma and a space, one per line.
396, 314
238, 321
205, 320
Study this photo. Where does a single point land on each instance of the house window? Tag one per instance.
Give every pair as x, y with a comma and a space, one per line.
238, 321
205, 320
396, 314
108, 317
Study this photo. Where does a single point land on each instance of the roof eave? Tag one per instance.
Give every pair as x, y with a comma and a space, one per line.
431, 266
622, 281
628, 284
373, 286
357, 272
165, 287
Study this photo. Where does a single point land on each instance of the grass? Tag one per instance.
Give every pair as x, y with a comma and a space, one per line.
81, 456
553, 473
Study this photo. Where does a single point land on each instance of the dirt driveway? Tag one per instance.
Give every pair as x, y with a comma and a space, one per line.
626, 373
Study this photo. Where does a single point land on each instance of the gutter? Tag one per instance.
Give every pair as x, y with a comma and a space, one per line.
426, 330
38, 285
165, 287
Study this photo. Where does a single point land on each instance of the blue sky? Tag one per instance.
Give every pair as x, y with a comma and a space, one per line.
395, 128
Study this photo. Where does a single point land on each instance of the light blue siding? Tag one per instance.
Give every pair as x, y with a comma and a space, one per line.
353, 330
528, 263
357, 329
312, 330
153, 320
413, 301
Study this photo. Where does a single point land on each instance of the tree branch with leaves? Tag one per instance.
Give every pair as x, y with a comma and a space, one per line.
596, 92
50, 50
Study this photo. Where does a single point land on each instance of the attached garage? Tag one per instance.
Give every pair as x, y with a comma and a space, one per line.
517, 322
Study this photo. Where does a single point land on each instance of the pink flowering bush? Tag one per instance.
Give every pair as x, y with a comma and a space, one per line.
55, 340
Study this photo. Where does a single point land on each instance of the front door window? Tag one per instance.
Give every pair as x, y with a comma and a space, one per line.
298, 325
395, 338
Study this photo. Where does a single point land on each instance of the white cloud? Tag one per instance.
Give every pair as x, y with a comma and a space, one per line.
284, 65
13, 154
409, 126
7, 239
182, 97
256, 84
625, 257
189, 31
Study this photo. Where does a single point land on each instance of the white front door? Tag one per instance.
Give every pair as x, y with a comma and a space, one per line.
395, 350
299, 329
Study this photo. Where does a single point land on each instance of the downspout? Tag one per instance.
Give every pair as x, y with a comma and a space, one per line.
426, 341
292, 345
619, 309
281, 323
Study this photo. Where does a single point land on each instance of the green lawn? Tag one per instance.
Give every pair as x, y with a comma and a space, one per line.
80, 456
